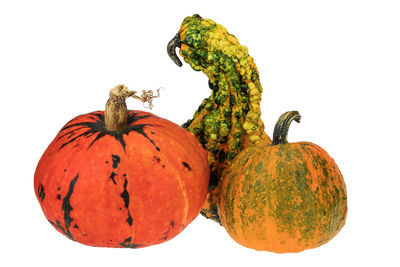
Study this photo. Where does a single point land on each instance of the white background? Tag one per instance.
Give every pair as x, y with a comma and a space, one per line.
337, 62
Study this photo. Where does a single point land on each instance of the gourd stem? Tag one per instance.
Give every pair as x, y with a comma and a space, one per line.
171, 49
116, 112
282, 126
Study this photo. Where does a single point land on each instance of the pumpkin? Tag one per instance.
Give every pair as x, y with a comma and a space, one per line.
121, 178
284, 197
229, 120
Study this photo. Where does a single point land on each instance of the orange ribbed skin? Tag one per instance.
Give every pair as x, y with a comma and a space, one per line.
132, 188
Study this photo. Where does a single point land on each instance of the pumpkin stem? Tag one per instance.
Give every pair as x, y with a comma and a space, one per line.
116, 112
282, 126
172, 45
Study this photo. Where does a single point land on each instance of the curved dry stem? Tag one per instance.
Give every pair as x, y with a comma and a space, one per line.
171, 49
116, 111
282, 126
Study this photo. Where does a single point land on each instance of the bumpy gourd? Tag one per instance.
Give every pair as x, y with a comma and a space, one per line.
229, 120
284, 197
122, 178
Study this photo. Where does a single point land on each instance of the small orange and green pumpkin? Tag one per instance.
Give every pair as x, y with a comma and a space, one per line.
122, 178
283, 197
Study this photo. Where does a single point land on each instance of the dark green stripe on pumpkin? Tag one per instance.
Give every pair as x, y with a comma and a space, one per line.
40, 191
95, 126
299, 208
333, 207
125, 196
67, 208
128, 244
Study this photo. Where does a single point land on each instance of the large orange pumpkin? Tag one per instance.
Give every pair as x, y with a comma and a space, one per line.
137, 184
284, 197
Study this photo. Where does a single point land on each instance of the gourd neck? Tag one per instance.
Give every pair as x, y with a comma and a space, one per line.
116, 111
232, 113
282, 127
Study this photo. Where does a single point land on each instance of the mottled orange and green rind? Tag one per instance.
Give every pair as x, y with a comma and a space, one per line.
283, 198
229, 120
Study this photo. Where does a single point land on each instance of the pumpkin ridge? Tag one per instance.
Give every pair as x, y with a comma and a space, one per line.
297, 195
229, 204
249, 209
185, 198
184, 194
